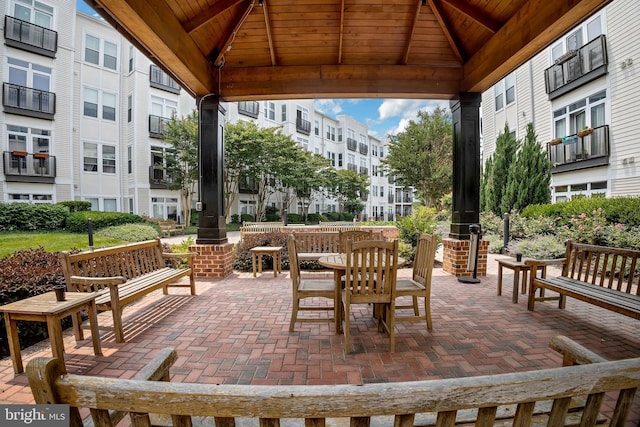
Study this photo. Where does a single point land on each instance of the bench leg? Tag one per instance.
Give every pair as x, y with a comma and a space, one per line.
532, 297
499, 279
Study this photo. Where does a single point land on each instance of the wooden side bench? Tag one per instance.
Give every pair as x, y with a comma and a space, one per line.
603, 276
484, 399
123, 274
168, 227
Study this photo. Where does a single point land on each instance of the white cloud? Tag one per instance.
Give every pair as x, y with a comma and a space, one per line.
329, 106
406, 110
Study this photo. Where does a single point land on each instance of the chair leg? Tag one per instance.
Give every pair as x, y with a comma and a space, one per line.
346, 320
427, 313
416, 310
294, 313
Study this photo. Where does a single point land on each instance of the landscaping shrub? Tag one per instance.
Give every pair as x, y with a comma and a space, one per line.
22, 275
130, 232
242, 256
622, 210
294, 218
76, 205
247, 218
539, 247
421, 220
315, 218
235, 219
271, 213
27, 216
77, 221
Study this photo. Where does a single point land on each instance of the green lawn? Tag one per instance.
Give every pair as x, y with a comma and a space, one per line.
51, 241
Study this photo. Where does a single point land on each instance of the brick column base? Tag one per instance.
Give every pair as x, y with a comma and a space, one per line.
214, 261
456, 257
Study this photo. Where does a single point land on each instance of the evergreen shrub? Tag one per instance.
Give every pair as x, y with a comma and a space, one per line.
130, 232
76, 205
242, 256
27, 216
77, 221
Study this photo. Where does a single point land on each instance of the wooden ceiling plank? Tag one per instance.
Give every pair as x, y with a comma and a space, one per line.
211, 13
267, 23
478, 16
341, 32
448, 34
536, 25
231, 37
407, 49
154, 28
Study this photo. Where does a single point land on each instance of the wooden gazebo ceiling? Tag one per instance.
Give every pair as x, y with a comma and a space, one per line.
286, 49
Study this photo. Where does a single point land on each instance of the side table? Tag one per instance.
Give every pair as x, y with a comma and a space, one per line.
45, 308
256, 258
517, 267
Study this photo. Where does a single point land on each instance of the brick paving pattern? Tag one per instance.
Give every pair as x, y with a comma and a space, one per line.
235, 331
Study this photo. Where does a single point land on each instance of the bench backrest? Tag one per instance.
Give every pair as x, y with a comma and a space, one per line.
260, 227
608, 267
323, 242
340, 225
128, 261
359, 402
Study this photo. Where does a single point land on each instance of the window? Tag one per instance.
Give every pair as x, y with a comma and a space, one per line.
90, 102
498, 90
303, 142
109, 106
31, 140
587, 112
131, 56
90, 157
284, 112
93, 46
575, 40
270, 110
34, 12
510, 88
129, 108
129, 159
92, 50
316, 127
165, 208
26, 74
339, 134
162, 107
374, 150
331, 133
108, 159
31, 198
339, 159
110, 58
332, 156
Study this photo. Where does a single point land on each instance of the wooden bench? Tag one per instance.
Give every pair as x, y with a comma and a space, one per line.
260, 227
311, 246
123, 274
557, 396
168, 227
339, 225
603, 276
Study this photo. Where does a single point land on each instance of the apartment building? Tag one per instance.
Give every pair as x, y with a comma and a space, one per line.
83, 117
581, 94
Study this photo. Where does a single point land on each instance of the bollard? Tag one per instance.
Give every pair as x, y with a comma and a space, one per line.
505, 241
90, 229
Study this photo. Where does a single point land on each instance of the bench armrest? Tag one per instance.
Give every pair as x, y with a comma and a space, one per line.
574, 353
544, 262
87, 284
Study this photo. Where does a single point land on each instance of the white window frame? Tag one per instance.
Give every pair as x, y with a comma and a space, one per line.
105, 162
37, 10
105, 52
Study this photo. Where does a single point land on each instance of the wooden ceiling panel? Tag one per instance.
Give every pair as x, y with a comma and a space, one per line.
339, 47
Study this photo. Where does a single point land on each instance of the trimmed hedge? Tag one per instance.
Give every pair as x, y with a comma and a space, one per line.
77, 221
27, 216
617, 210
76, 205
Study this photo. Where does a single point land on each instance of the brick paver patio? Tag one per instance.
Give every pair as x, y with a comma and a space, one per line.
235, 331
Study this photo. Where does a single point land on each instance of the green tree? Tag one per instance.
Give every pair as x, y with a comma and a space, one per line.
182, 159
348, 187
486, 184
504, 156
421, 156
529, 176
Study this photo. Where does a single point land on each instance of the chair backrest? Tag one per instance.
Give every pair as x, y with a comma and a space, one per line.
372, 266
424, 258
354, 236
294, 265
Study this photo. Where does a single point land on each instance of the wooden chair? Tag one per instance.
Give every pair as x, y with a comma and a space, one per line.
307, 288
420, 283
370, 277
354, 236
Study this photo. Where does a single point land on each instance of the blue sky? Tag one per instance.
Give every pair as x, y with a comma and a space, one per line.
382, 116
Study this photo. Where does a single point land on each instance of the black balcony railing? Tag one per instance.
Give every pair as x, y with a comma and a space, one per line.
20, 166
157, 126
249, 108
352, 144
390, 198
27, 101
352, 166
30, 37
577, 67
580, 151
161, 80
364, 149
303, 126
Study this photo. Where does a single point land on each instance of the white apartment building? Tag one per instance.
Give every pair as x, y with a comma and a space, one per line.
83, 114
581, 94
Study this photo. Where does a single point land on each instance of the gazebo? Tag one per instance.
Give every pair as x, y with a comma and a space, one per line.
239, 50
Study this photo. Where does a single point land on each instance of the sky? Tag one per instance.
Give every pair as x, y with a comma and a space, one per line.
382, 116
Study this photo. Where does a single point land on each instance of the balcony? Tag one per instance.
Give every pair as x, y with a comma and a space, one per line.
390, 198
352, 167
157, 126
352, 144
577, 67
247, 185
30, 37
580, 152
249, 108
303, 126
364, 170
161, 80
364, 149
158, 177
26, 101
20, 166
